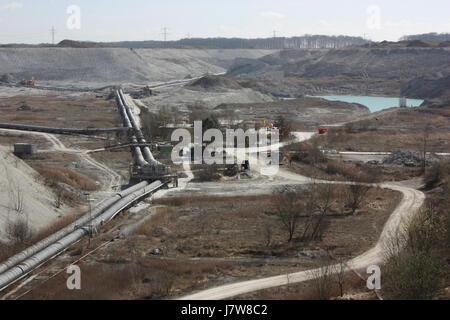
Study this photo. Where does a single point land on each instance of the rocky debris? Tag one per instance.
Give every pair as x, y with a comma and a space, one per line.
409, 158
311, 254
246, 66
7, 78
277, 87
141, 94
305, 111
347, 67
428, 88
213, 82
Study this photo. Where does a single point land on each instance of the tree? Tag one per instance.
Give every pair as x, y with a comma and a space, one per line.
288, 209
153, 123
322, 197
267, 233
211, 122
283, 127
356, 194
340, 272
425, 138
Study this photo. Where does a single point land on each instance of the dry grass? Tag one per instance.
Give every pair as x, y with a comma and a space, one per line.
354, 289
57, 225
198, 200
67, 176
162, 217
67, 112
206, 227
143, 279
235, 226
9, 249
338, 169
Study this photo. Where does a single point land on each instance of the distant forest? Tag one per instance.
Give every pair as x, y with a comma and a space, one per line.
303, 42
434, 37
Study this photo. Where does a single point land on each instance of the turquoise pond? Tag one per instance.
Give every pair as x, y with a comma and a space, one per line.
374, 103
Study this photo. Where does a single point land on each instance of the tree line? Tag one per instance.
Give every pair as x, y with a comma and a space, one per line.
301, 42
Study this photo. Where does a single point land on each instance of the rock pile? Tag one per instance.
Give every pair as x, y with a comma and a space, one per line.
7, 78
212, 82
409, 158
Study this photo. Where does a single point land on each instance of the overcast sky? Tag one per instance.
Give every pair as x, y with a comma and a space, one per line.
30, 21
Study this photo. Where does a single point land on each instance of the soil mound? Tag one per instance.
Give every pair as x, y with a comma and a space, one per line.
214, 82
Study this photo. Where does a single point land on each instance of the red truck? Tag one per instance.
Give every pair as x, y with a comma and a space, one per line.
323, 131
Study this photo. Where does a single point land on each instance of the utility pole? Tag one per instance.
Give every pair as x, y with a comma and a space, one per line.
274, 45
165, 33
53, 31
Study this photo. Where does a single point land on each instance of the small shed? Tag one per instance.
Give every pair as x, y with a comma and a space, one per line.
24, 149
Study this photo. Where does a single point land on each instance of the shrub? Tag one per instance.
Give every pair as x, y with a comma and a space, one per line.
208, 173
412, 276
414, 269
19, 231
436, 175
322, 281
68, 176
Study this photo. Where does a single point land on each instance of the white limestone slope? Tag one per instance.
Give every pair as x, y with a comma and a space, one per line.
87, 66
19, 181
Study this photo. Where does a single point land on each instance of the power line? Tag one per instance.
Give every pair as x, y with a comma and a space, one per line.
53, 31
165, 33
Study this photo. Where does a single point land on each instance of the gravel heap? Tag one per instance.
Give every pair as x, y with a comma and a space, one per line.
409, 158
7, 78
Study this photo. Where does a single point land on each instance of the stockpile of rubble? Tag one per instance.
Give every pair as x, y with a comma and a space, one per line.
7, 78
409, 158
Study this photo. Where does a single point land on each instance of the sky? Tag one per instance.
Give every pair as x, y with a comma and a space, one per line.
30, 21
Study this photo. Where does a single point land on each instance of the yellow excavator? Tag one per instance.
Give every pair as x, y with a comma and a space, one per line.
31, 82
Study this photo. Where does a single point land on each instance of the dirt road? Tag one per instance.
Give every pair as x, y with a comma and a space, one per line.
113, 178
411, 202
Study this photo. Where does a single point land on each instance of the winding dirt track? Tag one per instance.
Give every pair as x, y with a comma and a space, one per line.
57, 145
411, 202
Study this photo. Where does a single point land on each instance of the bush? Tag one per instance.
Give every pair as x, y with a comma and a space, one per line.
311, 156
208, 173
436, 175
322, 282
412, 276
414, 267
19, 231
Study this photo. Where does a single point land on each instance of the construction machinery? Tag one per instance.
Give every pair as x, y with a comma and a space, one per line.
31, 82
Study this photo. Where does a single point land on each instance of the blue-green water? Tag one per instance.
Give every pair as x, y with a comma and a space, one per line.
374, 103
